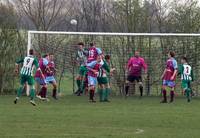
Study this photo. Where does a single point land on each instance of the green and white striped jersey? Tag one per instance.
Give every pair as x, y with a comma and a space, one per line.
28, 63
104, 69
81, 56
186, 72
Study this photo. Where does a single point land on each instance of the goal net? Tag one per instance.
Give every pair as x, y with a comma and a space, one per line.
120, 46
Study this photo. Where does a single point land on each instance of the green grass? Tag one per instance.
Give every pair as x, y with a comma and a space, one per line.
74, 117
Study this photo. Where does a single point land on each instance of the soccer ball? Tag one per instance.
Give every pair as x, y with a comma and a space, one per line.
73, 22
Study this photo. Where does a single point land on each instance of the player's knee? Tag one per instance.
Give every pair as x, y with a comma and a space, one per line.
108, 85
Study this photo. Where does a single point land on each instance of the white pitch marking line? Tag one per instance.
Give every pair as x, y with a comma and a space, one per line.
139, 131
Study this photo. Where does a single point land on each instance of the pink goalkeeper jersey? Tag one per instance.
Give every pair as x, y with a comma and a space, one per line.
135, 65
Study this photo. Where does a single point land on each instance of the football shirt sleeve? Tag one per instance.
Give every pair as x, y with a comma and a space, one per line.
35, 62
174, 64
106, 67
45, 62
144, 65
91, 64
20, 61
99, 51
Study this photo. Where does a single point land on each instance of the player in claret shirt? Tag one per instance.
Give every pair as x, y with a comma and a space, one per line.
93, 52
93, 71
186, 76
135, 66
169, 76
50, 75
43, 64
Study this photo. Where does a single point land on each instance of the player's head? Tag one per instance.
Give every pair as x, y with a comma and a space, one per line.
99, 58
46, 56
51, 56
31, 52
171, 54
80, 45
92, 44
184, 60
38, 55
137, 53
107, 58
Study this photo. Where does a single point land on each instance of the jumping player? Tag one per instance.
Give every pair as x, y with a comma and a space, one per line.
186, 76
81, 58
169, 76
93, 70
135, 66
26, 73
93, 52
103, 81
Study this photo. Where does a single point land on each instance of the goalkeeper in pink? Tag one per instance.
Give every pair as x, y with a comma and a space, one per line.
135, 66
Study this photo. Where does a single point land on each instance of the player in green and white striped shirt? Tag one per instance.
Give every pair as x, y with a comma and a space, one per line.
26, 74
186, 76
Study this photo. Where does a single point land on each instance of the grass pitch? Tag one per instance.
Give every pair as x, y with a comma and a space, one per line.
75, 117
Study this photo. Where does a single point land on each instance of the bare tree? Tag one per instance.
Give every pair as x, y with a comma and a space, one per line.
44, 14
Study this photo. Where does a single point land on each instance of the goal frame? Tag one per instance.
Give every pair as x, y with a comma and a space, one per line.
30, 32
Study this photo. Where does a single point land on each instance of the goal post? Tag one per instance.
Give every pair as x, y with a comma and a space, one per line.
121, 46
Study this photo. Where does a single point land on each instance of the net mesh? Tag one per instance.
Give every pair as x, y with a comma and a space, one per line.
154, 49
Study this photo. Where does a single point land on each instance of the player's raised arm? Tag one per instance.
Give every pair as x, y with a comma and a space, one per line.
17, 64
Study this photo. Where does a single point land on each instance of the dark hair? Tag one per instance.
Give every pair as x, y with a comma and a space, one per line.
92, 44
172, 54
184, 58
81, 43
45, 55
107, 57
51, 54
31, 52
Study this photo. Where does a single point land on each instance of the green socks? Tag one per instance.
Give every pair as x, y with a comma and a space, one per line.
100, 94
19, 92
107, 92
188, 94
78, 82
32, 94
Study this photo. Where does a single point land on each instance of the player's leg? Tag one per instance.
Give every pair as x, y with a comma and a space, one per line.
92, 81
129, 79
82, 73
31, 83
187, 90
79, 80
139, 80
54, 93
100, 91
37, 87
78, 83
107, 92
23, 80
172, 93
164, 92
